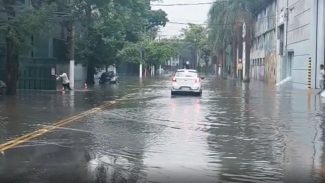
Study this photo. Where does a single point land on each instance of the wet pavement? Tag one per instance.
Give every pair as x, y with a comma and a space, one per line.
234, 133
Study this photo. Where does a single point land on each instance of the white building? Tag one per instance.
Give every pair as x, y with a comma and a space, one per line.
287, 34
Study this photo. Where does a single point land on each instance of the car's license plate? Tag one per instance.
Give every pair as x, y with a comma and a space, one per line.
186, 89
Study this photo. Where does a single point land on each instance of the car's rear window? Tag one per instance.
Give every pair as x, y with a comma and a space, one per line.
186, 74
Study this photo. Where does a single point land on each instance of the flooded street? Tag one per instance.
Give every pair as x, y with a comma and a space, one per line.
234, 132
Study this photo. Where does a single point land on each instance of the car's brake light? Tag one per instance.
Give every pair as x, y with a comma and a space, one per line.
197, 80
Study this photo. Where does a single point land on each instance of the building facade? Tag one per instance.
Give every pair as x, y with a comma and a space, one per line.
263, 51
47, 56
289, 36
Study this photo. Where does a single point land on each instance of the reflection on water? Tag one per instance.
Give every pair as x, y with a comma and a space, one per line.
234, 133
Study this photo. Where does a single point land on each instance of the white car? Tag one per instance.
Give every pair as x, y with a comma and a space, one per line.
186, 81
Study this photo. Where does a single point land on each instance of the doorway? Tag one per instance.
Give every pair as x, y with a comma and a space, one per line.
287, 66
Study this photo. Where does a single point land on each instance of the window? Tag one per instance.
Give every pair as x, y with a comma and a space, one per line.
186, 74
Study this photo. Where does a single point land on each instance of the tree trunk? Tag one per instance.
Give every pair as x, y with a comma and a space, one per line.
12, 66
248, 40
224, 60
247, 68
71, 51
198, 58
70, 40
90, 66
220, 61
206, 65
234, 57
90, 73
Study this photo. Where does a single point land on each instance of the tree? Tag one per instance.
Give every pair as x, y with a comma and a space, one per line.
196, 37
110, 26
148, 52
132, 53
157, 53
206, 55
18, 23
225, 26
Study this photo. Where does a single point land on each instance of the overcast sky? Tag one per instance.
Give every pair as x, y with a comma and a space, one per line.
183, 14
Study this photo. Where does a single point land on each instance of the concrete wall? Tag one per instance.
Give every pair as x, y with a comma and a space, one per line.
299, 40
317, 38
299, 34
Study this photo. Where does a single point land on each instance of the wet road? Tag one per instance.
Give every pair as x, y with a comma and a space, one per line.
233, 133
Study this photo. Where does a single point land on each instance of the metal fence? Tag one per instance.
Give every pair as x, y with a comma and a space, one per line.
2, 60
36, 74
2, 69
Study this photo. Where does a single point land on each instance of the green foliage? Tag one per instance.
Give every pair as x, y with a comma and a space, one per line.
156, 18
131, 53
196, 37
157, 53
226, 18
20, 22
148, 52
109, 26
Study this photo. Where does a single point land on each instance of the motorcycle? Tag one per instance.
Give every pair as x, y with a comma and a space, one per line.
108, 77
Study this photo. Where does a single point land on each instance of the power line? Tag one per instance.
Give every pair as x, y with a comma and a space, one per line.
260, 19
184, 23
185, 4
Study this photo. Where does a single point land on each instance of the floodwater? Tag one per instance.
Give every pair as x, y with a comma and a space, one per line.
235, 132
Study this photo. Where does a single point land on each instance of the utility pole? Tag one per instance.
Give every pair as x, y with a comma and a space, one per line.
286, 58
244, 52
71, 43
140, 71
140, 66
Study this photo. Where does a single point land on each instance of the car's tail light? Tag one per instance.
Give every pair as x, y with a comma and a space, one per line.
174, 79
197, 80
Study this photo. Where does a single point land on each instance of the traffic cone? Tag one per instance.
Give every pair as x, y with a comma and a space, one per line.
85, 86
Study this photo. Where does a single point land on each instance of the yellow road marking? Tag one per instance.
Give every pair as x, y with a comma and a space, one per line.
73, 118
29, 136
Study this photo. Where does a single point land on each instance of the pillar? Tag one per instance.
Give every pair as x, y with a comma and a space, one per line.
140, 71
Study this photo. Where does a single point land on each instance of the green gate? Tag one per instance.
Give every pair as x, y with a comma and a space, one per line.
35, 73
2, 61
2, 68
